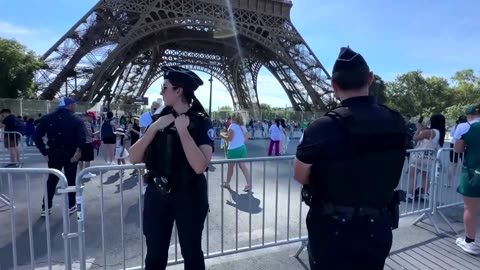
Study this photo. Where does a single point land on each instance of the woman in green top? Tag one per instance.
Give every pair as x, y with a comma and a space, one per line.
467, 137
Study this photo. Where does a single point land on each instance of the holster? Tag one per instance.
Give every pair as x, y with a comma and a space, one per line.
306, 195
160, 182
394, 206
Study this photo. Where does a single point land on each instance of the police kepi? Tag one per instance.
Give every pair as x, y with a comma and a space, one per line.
176, 148
351, 161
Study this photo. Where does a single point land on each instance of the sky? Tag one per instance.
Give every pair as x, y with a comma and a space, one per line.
437, 37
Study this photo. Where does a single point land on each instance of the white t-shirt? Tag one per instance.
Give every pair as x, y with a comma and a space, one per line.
238, 137
463, 128
452, 133
275, 133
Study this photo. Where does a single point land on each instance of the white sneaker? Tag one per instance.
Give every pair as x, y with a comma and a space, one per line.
470, 248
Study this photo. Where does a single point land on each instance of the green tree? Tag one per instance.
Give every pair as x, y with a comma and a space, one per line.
466, 87
225, 109
378, 89
414, 94
453, 112
17, 65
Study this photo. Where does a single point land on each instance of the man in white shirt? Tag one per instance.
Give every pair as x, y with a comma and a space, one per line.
146, 118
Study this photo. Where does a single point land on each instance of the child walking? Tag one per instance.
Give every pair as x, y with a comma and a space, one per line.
120, 152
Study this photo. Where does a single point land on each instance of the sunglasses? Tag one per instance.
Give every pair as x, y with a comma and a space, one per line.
164, 88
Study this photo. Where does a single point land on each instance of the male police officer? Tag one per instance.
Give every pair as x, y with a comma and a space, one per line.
351, 159
66, 137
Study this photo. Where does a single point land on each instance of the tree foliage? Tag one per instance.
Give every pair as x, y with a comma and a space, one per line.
378, 89
17, 65
415, 94
225, 109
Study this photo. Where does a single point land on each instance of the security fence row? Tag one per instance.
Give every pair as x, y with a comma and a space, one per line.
106, 231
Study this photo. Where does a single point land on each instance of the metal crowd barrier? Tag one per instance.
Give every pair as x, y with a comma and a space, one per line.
259, 133
270, 214
11, 143
109, 218
449, 167
419, 181
35, 241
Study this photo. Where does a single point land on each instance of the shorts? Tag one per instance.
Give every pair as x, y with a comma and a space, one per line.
239, 152
11, 140
454, 156
87, 152
469, 183
109, 140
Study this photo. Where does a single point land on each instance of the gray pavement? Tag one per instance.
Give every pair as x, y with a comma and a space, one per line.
272, 189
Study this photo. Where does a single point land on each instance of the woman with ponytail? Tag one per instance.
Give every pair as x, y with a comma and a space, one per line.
176, 148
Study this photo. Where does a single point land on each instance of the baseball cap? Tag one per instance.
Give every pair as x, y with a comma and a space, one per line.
472, 110
65, 101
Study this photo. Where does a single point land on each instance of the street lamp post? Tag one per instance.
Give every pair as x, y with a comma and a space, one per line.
75, 73
210, 102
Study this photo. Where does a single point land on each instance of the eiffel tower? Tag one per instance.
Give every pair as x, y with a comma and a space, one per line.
115, 52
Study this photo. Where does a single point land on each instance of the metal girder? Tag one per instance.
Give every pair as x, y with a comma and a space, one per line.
120, 46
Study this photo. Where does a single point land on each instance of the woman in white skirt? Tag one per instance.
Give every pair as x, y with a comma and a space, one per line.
121, 153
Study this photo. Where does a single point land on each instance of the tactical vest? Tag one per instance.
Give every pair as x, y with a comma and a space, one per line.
165, 155
371, 169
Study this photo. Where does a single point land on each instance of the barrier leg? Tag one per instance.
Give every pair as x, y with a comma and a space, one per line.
302, 247
446, 221
429, 216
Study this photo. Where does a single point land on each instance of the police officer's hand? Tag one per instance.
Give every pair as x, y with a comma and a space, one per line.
182, 122
162, 122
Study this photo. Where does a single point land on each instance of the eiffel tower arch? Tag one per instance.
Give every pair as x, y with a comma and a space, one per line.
115, 52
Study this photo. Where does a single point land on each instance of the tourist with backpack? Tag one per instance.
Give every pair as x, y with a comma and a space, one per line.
14, 129
108, 139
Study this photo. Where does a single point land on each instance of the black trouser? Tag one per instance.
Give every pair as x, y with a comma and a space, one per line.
360, 243
188, 208
70, 170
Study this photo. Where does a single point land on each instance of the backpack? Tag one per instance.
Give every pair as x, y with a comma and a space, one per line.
107, 129
19, 126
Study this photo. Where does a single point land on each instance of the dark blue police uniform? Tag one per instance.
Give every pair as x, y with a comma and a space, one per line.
177, 193
357, 153
65, 133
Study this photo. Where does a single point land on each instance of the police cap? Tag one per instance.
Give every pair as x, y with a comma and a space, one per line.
350, 61
189, 78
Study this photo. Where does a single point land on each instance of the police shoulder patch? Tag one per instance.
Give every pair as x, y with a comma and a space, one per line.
211, 134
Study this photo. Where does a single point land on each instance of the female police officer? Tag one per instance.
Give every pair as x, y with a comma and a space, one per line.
176, 148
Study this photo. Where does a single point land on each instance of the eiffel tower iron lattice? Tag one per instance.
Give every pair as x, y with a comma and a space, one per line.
115, 52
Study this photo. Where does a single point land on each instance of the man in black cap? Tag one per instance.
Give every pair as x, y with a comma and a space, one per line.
351, 160
66, 137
